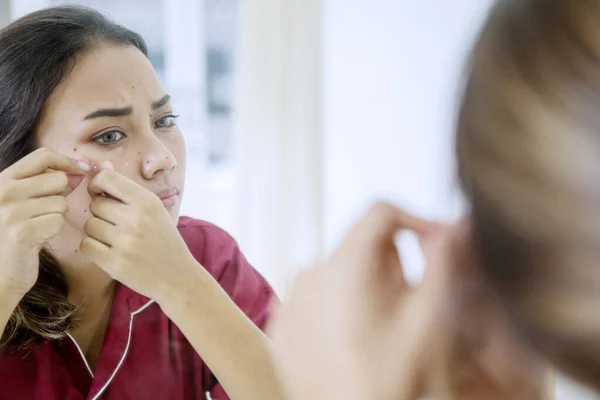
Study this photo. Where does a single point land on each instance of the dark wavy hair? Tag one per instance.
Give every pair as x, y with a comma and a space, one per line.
36, 53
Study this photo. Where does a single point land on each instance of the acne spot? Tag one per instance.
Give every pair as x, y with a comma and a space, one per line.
76, 251
147, 161
75, 149
133, 87
166, 158
84, 211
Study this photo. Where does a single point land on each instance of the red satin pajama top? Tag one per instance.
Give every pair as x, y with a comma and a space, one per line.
144, 355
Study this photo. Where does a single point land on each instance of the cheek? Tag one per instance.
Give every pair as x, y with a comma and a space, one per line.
127, 168
79, 202
177, 147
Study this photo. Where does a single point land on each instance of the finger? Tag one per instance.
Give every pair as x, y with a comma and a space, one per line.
383, 220
418, 320
110, 210
43, 159
100, 230
45, 184
115, 185
33, 208
96, 251
44, 227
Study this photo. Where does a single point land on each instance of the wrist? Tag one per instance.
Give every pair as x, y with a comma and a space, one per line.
185, 286
10, 296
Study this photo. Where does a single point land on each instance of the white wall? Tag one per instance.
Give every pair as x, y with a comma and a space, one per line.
390, 85
4, 12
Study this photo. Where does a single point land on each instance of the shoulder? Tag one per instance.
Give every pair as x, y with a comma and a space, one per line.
214, 248
206, 241
220, 255
197, 230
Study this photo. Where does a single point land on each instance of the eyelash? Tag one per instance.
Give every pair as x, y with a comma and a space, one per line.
98, 138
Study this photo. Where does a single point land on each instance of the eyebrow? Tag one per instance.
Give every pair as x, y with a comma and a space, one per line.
122, 112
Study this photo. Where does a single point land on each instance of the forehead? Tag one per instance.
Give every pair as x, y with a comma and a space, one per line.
106, 76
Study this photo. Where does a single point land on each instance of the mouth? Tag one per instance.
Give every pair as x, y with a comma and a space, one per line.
169, 197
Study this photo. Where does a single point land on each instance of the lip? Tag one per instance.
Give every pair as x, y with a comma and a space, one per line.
169, 197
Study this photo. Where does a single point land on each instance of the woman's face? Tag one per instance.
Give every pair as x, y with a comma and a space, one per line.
112, 107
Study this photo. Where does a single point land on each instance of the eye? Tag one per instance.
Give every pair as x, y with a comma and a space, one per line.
166, 121
108, 138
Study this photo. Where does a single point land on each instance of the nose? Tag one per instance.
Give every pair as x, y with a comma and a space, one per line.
156, 160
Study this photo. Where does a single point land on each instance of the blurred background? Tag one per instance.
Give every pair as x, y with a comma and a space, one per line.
299, 113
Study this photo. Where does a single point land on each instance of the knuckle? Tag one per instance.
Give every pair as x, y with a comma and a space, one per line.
380, 213
7, 192
105, 176
43, 153
61, 179
57, 224
380, 208
21, 232
42, 150
8, 215
128, 244
63, 204
4, 196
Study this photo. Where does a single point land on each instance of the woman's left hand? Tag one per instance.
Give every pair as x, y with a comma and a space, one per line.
133, 238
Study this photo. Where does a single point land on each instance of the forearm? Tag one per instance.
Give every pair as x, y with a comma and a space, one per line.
235, 350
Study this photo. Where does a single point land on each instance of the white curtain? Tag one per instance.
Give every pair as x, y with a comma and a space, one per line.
279, 135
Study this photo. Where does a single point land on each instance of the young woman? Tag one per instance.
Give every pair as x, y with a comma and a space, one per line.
520, 272
105, 292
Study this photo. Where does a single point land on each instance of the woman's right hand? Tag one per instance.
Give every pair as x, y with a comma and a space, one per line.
352, 327
32, 207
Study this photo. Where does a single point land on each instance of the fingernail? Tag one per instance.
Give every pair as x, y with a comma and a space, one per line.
84, 166
107, 165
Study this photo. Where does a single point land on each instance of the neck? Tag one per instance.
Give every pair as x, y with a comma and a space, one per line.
87, 282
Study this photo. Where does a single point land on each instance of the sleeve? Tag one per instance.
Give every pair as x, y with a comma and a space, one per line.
220, 254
